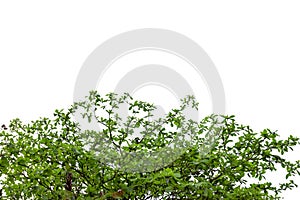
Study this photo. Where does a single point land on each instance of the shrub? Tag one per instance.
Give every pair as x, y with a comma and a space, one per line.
48, 158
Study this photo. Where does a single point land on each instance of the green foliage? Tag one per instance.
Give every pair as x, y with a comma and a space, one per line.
47, 158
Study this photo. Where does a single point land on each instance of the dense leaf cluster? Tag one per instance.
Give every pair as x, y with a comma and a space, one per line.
47, 158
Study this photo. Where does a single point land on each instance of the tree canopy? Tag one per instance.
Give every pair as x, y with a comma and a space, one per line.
57, 158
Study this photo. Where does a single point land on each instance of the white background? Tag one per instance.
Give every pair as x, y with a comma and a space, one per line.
255, 46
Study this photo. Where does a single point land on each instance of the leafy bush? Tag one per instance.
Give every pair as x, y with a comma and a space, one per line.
48, 158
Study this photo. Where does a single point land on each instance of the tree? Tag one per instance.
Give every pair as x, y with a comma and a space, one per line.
49, 159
